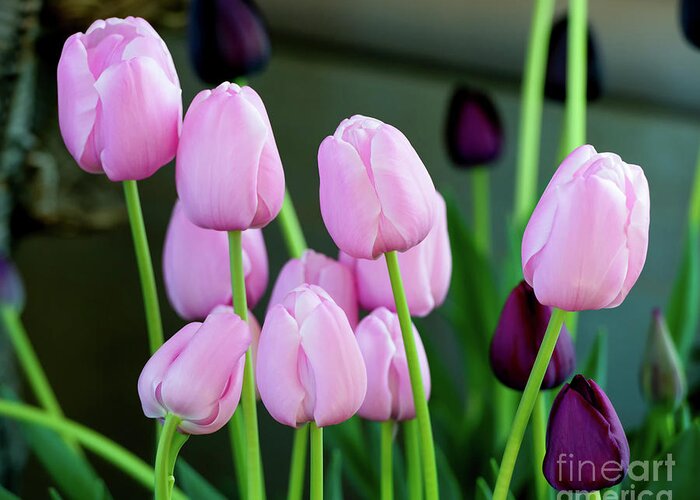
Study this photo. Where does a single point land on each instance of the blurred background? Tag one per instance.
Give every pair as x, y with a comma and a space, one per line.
398, 61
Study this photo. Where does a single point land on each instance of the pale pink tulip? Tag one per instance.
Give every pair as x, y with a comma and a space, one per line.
196, 266
309, 367
197, 374
376, 195
229, 173
389, 395
586, 242
426, 270
316, 269
119, 99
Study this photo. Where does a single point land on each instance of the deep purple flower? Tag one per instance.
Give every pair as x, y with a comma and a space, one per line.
228, 39
11, 286
555, 80
690, 21
517, 339
474, 131
586, 445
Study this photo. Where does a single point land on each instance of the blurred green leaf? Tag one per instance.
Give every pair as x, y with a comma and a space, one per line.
55, 495
483, 490
351, 438
596, 365
449, 486
193, 484
333, 480
6, 495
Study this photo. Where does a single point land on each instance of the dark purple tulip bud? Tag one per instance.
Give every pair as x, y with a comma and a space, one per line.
228, 39
11, 287
586, 445
662, 377
555, 80
690, 21
474, 132
518, 337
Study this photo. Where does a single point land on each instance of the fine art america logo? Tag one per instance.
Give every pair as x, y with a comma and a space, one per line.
644, 472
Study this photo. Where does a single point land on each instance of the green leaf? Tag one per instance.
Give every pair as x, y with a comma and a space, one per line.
7, 495
596, 365
359, 464
193, 484
449, 486
55, 495
333, 481
483, 490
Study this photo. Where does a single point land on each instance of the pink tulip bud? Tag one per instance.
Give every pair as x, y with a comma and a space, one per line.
389, 393
229, 173
119, 99
426, 270
196, 266
376, 195
317, 269
586, 242
309, 365
197, 374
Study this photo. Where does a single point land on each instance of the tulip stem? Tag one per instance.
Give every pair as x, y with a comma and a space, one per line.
298, 465
420, 402
236, 429
91, 440
539, 431
576, 74
316, 462
530, 126
482, 216
254, 480
163, 461
387, 460
527, 403
291, 229
145, 265
32, 368
413, 465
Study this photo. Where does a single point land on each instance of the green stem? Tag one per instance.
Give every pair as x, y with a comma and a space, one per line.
145, 266
163, 461
420, 402
132, 465
539, 431
298, 465
236, 430
482, 209
31, 366
316, 462
387, 461
531, 111
594, 495
576, 75
527, 403
291, 229
694, 207
413, 465
254, 480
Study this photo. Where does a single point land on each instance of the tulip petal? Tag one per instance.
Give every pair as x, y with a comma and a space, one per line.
378, 349
141, 111
404, 407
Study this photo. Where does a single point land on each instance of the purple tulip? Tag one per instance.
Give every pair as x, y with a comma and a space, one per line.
474, 131
690, 21
586, 445
228, 39
517, 340
555, 79
11, 286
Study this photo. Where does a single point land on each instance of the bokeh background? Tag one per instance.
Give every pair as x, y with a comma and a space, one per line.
395, 60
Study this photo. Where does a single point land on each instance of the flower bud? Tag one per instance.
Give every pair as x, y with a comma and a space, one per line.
517, 340
197, 266
474, 131
690, 21
119, 99
586, 242
426, 270
229, 173
662, 377
11, 286
376, 195
228, 39
309, 366
197, 374
389, 395
586, 445
555, 77
316, 269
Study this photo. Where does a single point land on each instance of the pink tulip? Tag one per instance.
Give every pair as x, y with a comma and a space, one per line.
197, 374
586, 242
317, 269
196, 266
119, 99
229, 173
426, 270
309, 367
389, 395
376, 195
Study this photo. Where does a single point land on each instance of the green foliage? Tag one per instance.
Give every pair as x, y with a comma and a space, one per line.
596, 365
7, 495
193, 484
333, 481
